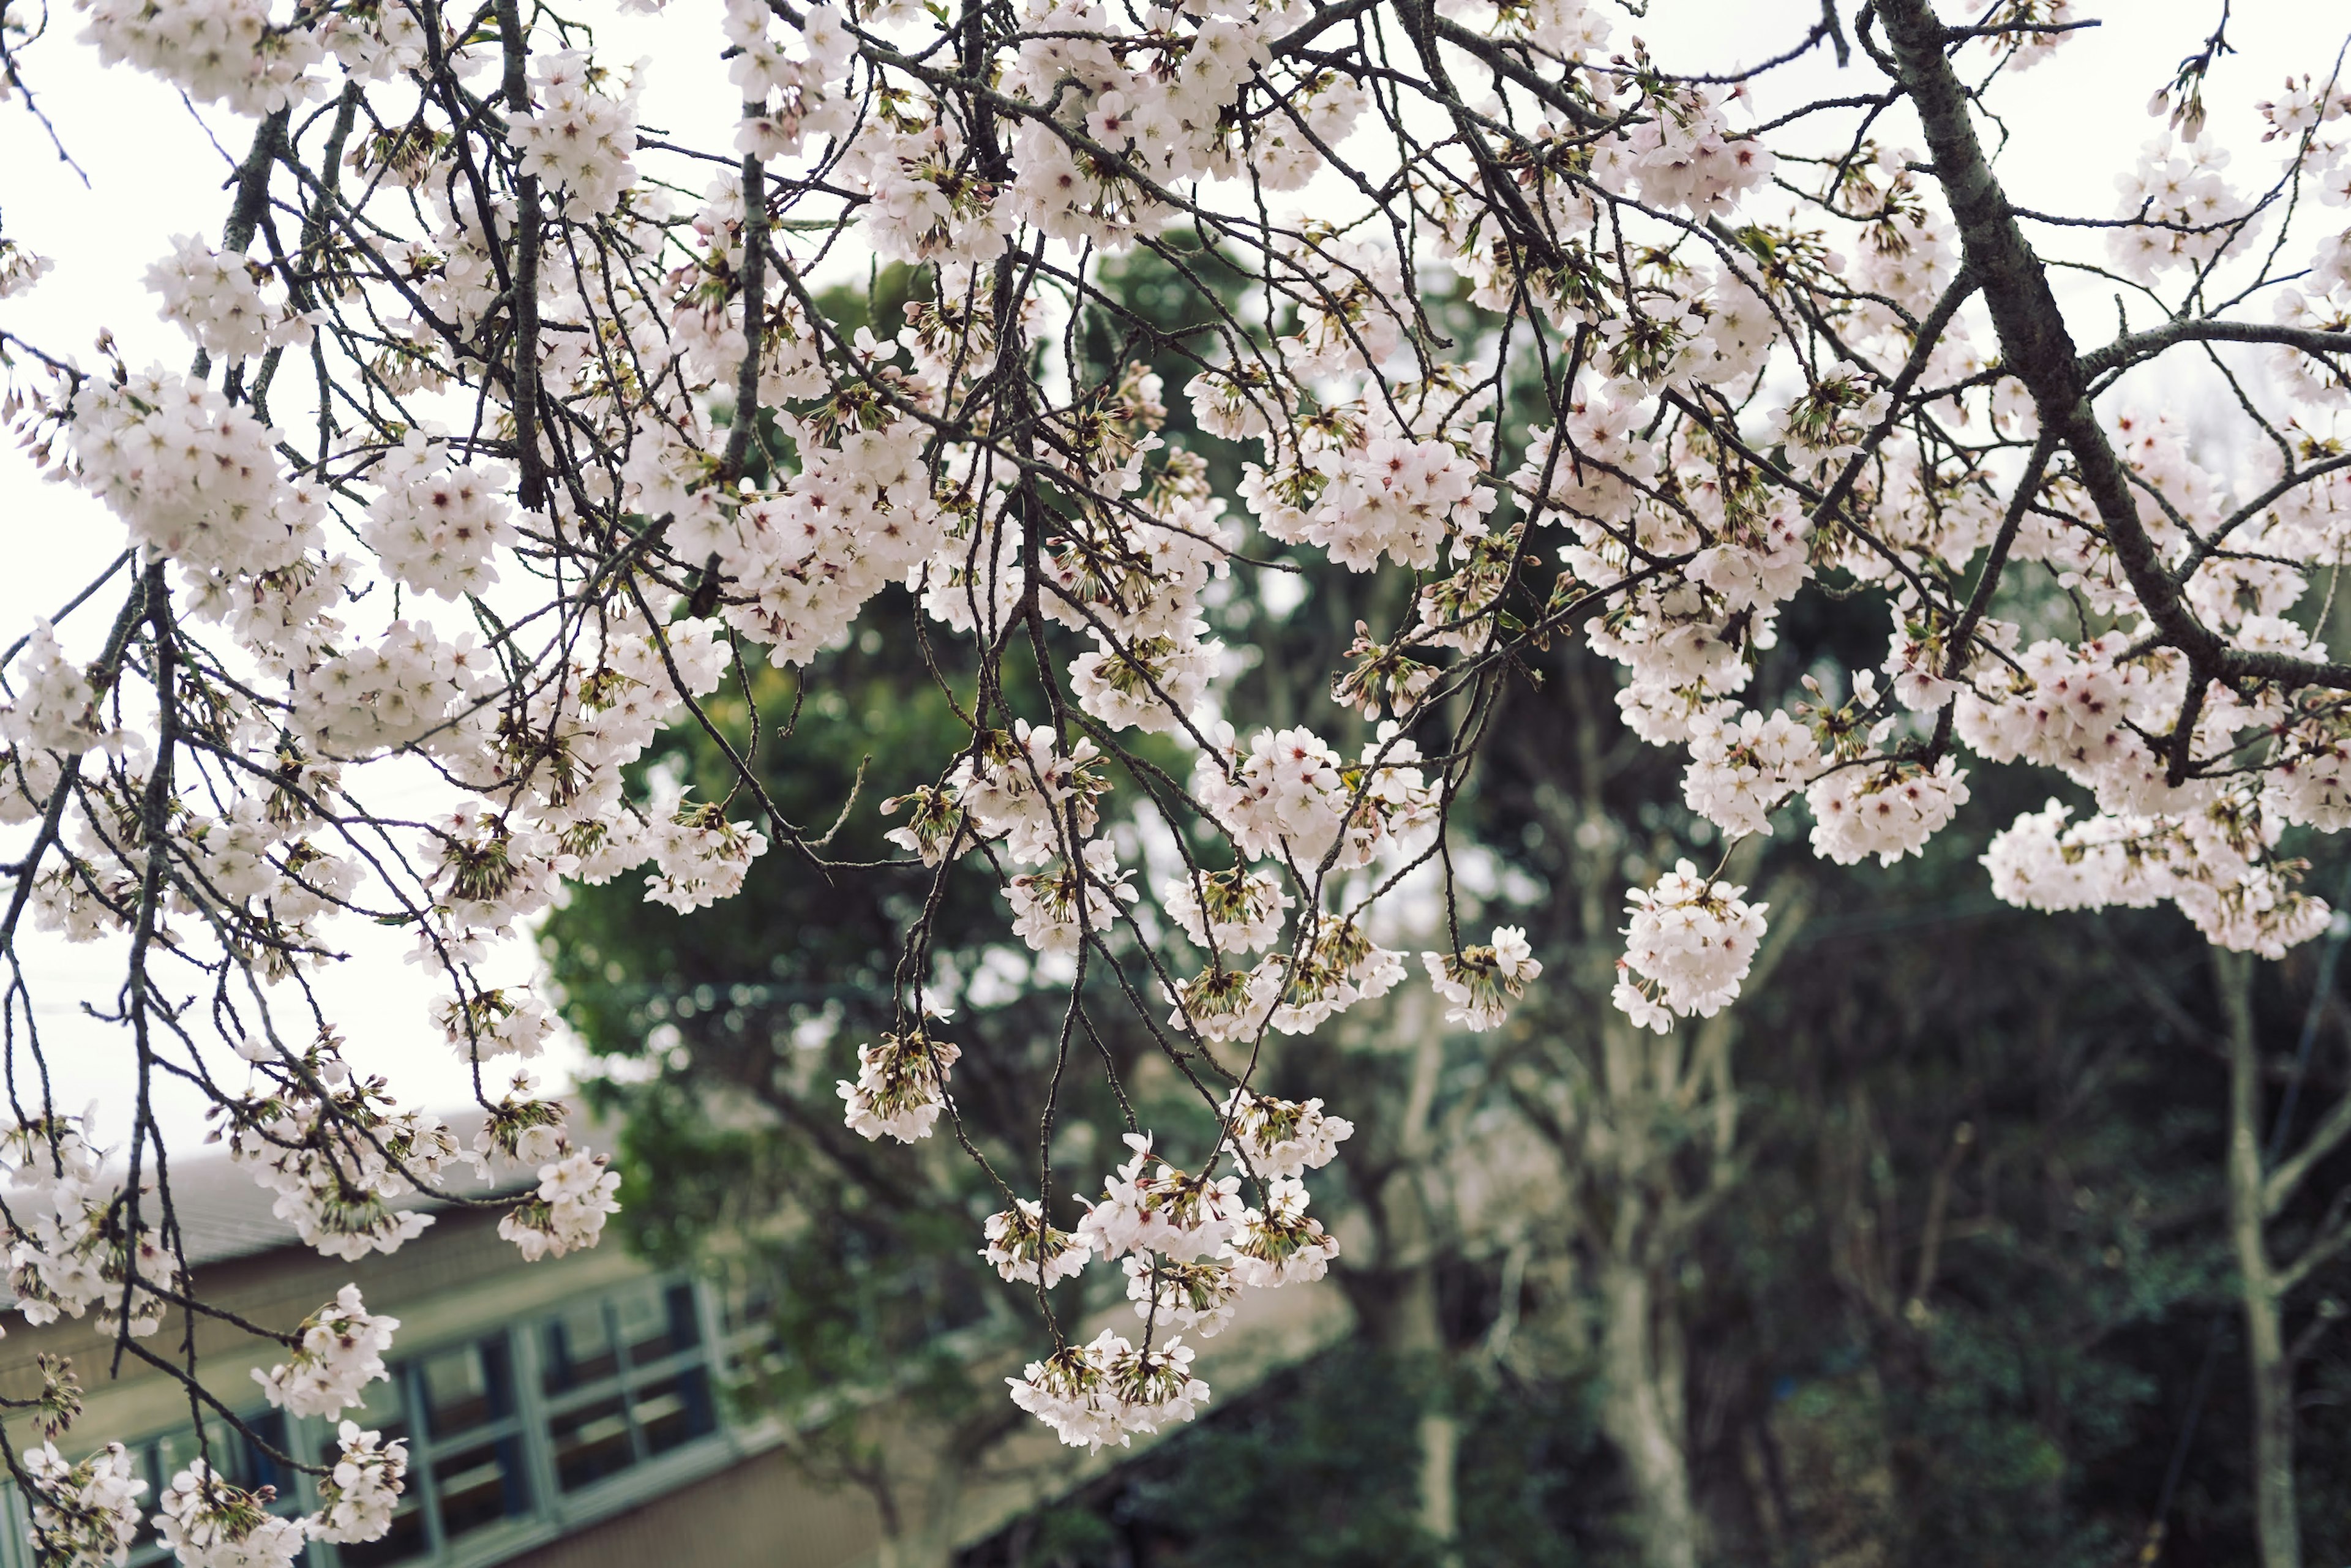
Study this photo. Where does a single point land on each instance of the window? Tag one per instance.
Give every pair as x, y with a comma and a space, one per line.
626, 1379
467, 1466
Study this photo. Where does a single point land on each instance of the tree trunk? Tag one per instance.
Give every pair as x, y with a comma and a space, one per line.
1412, 1334
924, 1535
1440, 1446
1418, 1331
1392, 1284
2274, 1513
929, 1544
1642, 1413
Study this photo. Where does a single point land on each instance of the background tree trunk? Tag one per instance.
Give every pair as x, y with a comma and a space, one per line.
2267, 1365
1643, 1410
1393, 1282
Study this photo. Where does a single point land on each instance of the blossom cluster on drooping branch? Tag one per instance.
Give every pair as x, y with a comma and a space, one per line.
574, 447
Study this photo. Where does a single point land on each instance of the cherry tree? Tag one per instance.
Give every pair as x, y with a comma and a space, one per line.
513, 432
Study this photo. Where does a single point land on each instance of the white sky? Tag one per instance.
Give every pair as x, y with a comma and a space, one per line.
2078, 121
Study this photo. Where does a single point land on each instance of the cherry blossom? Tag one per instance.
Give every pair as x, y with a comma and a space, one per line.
1478, 982
1283, 1138
341, 1353
87, 1513
1021, 1246
1690, 943
901, 1086
359, 1495
209, 1523
513, 445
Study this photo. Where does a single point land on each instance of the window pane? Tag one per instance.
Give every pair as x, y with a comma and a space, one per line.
260, 1469
580, 1349
591, 1443
654, 1326
481, 1486
675, 1410
465, 1387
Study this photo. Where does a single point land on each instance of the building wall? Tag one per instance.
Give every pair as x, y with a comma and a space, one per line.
762, 1513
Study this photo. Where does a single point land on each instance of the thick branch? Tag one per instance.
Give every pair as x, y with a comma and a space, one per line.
2038, 349
2126, 351
2328, 1136
2033, 341
755, 289
533, 491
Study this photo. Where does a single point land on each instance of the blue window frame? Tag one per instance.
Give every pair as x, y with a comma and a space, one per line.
625, 1379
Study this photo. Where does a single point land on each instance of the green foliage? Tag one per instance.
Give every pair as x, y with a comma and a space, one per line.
1319, 1467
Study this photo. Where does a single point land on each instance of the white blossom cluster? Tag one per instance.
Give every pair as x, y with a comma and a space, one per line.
794, 95
1022, 1246
217, 300
84, 1513
223, 51
568, 1212
341, 1353
1234, 911
900, 1087
1690, 943
578, 140
340, 1163
1189, 1244
192, 476
1149, 1205
20, 269
1293, 797
1480, 982
209, 1523
1741, 768
2182, 205
70, 1249
808, 555
1107, 1391
1279, 1243
88, 1513
359, 1495
495, 1023
435, 525
699, 855
2213, 864
1282, 1139
54, 710
1197, 1297
1888, 811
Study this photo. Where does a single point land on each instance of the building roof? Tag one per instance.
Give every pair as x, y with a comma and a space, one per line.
224, 1213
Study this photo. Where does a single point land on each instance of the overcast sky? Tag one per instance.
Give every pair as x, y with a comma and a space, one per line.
156, 171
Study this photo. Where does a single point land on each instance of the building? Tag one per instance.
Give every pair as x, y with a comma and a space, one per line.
570, 1413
